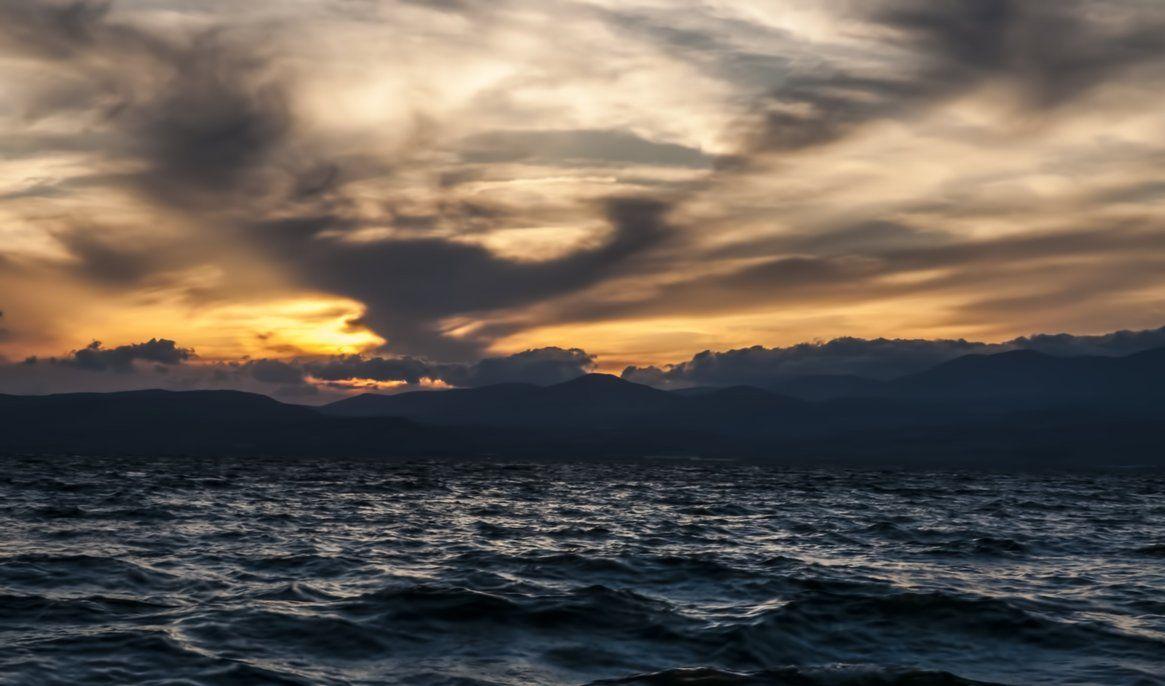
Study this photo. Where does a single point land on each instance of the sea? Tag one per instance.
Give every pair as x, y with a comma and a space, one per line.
184, 571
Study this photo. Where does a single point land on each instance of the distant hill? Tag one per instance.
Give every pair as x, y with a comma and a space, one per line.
1040, 378
432, 405
1009, 408
828, 386
193, 422
593, 401
115, 409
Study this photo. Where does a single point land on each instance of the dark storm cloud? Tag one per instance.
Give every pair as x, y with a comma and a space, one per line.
202, 112
57, 30
122, 358
1054, 51
101, 260
877, 359
213, 124
465, 217
411, 285
1049, 52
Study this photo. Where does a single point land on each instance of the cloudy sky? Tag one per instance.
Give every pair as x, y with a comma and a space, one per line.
330, 193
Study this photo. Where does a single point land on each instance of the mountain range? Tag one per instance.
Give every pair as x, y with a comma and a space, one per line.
1007, 408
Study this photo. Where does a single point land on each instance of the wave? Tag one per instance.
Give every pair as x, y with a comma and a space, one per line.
831, 626
309, 564
260, 632
37, 610
591, 608
56, 512
441, 574
80, 571
144, 656
1153, 550
796, 676
983, 546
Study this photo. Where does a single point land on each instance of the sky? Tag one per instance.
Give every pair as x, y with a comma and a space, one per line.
340, 195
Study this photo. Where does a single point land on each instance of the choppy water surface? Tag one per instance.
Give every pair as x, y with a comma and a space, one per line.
254, 572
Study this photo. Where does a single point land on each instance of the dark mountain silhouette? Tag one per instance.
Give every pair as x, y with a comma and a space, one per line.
746, 411
593, 401
117, 409
828, 386
1039, 378
191, 422
590, 400
994, 409
433, 406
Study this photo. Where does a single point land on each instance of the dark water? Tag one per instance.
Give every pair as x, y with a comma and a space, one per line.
201, 572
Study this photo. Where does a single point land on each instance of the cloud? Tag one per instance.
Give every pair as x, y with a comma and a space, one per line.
543, 366
122, 358
105, 262
347, 367
976, 167
1047, 53
570, 146
161, 363
877, 359
1051, 52
877, 261
273, 371
760, 366
164, 364
158, 363
201, 112
1116, 343
207, 118
411, 286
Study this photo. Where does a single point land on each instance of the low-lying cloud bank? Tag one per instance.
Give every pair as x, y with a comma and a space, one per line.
162, 363
880, 358
543, 366
122, 358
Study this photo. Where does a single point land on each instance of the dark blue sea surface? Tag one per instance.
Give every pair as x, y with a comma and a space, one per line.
360, 572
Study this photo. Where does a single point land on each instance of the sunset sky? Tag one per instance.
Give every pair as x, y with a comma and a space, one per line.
358, 191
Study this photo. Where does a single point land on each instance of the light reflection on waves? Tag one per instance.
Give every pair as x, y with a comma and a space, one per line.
215, 572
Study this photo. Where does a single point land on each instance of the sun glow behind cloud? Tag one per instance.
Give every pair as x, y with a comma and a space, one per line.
301, 326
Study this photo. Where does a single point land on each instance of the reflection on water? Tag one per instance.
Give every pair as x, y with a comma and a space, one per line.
254, 572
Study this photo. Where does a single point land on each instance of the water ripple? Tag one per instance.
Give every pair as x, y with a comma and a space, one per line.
474, 573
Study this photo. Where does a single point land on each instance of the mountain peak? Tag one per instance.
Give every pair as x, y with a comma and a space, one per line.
597, 380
